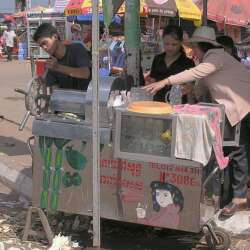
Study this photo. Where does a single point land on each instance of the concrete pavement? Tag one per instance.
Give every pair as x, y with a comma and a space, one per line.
15, 160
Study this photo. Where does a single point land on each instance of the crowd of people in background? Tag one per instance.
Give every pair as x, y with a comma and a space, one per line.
8, 40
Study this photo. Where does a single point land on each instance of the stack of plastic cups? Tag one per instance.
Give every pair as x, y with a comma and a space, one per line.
40, 67
22, 51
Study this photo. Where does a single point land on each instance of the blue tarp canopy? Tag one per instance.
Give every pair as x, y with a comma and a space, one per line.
88, 18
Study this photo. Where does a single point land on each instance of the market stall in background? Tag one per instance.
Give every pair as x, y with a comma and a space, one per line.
34, 19
20, 21
230, 19
153, 18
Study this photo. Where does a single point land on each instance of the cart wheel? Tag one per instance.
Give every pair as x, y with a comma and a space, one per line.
223, 238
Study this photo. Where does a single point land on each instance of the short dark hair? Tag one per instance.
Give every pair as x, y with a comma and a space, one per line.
205, 47
45, 30
173, 30
226, 41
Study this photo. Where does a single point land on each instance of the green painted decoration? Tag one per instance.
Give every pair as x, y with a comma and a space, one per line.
66, 180
59, 158
72, 180
46, 179
57, 181
44, 199
45, 144
75, 159
41, 142
54, 201
76, 180
59, 143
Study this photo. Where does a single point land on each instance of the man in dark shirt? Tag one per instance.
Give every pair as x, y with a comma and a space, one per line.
69, 66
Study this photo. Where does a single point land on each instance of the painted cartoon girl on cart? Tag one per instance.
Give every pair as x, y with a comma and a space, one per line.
168, 202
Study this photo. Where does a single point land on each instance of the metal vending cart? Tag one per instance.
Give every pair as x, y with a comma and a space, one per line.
141, 180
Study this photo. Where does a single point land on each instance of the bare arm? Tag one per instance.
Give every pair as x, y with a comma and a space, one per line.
82, 72
116, 70
200, 71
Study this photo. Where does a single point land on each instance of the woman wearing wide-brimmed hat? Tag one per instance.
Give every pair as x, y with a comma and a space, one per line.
228, 83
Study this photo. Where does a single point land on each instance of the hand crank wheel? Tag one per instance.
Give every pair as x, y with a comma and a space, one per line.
36, 99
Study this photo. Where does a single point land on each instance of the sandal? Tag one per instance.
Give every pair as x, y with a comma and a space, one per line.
230, 209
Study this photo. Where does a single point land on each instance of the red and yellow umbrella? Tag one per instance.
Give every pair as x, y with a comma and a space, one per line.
186, 8
81, 7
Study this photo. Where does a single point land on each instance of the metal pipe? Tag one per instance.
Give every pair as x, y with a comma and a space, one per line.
210, 176
95, 124
24, 120
204, 16
28, 4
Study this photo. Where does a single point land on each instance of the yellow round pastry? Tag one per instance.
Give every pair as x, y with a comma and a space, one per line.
150, 107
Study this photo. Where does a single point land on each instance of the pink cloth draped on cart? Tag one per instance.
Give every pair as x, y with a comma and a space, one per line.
209, 119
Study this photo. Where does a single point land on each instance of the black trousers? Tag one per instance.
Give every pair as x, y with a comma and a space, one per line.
246, 134
238, 168
9, 53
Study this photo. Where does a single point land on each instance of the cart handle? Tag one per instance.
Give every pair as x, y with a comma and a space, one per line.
21, 91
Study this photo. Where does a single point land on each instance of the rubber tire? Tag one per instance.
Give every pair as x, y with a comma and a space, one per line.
224, 238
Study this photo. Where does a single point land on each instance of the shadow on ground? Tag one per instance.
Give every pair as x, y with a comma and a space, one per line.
13, 147
126, 236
